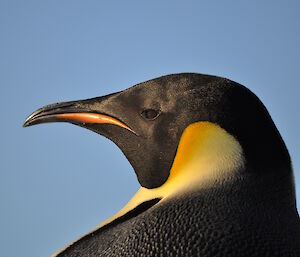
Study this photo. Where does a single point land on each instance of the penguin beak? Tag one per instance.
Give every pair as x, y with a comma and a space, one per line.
75, 112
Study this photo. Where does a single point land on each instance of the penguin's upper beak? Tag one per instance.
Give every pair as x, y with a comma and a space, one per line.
76, 112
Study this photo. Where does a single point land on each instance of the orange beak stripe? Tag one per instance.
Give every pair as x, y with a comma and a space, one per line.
94, 118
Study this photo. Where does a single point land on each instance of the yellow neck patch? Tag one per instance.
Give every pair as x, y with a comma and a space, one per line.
206, 154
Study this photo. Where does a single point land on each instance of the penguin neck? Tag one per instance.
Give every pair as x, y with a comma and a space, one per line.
206, 156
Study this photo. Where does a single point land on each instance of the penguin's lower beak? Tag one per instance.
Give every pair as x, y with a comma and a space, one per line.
76, 112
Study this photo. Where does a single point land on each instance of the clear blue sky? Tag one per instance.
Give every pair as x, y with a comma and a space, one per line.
58, 181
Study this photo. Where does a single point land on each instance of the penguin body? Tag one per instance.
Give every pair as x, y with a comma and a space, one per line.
219, 226
215, 175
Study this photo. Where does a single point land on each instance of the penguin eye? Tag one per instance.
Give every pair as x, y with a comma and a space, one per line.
150, 114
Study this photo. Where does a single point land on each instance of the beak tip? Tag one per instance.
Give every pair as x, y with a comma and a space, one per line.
25, 124
28, 122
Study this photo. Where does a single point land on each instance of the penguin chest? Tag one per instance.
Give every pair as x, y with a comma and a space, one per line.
189, 227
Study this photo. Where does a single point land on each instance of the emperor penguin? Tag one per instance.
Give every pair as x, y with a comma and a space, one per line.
216, 177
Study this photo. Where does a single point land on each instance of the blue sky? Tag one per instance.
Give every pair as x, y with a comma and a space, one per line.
58, 181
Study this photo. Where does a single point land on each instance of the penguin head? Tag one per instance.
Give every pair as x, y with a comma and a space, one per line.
210, 126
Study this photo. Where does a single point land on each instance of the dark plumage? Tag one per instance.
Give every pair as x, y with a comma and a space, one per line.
246, 209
